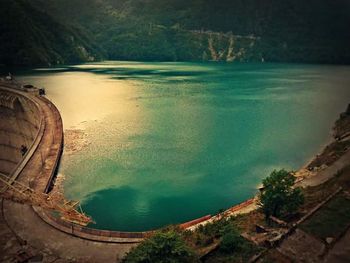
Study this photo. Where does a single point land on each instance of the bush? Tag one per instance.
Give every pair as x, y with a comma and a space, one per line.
231, 240
278, 197
165, 247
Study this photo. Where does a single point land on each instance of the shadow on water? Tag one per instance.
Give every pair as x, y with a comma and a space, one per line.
114, 209
116, 73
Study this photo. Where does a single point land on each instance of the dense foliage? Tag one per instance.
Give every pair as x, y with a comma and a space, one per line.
217, 241
231, 240
29, 36
162, 247
278, 196
226, 30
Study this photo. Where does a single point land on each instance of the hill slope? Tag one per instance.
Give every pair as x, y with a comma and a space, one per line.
29, 36
188, 30
288, 31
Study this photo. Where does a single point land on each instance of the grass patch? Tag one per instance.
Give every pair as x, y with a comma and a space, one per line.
243, 253
273, 256
331, 220
223, 240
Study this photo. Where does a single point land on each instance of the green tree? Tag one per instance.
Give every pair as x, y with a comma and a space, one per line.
278, 196
231, 240
165, 247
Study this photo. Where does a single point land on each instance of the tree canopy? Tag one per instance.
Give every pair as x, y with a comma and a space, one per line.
162, 247
65, 31
278, 196
231, 240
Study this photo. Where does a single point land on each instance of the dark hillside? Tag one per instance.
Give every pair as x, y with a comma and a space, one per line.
29, 36
193, 30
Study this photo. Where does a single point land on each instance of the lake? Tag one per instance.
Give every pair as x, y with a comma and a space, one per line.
170, 142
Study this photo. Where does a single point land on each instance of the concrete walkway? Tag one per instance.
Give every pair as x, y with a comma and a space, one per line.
55, 244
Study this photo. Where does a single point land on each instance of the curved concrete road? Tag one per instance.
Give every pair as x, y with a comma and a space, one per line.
55, 244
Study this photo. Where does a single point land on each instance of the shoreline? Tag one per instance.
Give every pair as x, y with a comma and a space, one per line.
245, 206
302, 174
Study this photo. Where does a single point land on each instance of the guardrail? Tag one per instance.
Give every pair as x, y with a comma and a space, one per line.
90, 233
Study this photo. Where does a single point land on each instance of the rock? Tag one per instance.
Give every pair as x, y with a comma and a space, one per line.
329, 240
348, 110
36, 259
323, 166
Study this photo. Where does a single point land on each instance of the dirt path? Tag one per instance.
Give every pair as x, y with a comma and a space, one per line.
326, 174
341, 251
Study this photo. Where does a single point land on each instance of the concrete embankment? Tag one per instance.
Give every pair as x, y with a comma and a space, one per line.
19, 125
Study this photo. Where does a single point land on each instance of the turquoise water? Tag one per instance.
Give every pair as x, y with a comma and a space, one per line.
170, 142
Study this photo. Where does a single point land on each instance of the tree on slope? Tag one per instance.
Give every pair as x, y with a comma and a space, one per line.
164, 247
278, 196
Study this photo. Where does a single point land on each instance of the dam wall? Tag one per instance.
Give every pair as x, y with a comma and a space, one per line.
19, 126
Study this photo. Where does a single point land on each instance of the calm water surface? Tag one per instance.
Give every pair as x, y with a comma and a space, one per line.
170, 142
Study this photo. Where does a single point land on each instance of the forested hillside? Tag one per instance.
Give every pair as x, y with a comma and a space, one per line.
194, 30
29, 36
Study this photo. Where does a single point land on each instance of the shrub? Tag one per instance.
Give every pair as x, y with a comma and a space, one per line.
278, 197
162, 247
231, 240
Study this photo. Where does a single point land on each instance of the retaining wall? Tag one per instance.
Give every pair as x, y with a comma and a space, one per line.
19, 125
